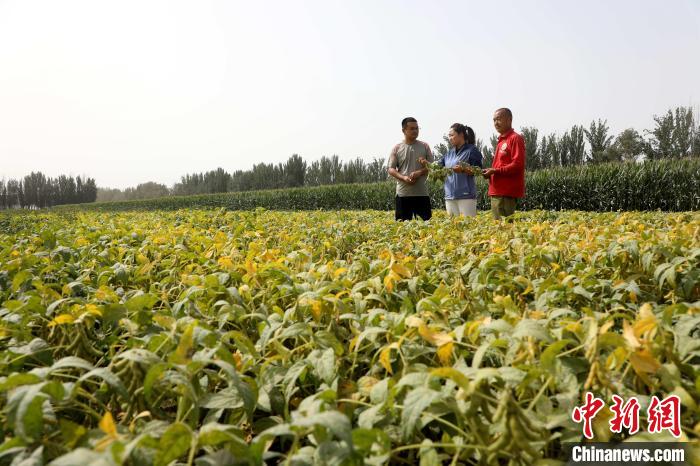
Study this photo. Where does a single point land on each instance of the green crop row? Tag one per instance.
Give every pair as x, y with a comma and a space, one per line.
669, 185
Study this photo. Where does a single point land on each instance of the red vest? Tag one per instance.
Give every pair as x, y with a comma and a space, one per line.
509, 166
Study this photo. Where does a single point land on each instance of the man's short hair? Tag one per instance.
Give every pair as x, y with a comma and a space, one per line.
506, 111
406, 121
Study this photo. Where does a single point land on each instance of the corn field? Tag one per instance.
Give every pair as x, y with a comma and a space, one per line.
668, 185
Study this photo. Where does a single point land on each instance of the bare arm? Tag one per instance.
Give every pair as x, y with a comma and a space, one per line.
396, 174
393, 161
423, 171
418, 173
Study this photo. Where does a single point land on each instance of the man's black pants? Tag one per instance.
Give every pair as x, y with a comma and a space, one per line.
408, 207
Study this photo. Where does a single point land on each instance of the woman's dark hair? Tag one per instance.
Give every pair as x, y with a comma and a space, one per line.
469, 136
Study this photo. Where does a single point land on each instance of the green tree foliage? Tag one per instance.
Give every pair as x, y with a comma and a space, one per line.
439, 150
376, 170
548, 151
353, 171
483, 149
661, 137
110, 195
575, 147
14, 198
628, 146
599, 141
695, 145
487, 149
148, 190
562, 150
682, 134
215, 181
294, 170
675, 135
532, 148
36, 190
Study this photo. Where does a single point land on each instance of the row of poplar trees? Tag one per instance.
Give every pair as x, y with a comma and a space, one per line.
295, 172
36, 190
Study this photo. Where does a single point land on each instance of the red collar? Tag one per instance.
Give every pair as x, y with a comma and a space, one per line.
506, 134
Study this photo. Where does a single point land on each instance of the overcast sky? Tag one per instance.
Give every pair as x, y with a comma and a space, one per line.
134, 91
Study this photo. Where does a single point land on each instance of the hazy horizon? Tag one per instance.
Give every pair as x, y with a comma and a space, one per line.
132, 92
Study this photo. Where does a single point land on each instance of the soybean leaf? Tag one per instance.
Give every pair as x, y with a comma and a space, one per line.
174, 443
416, 401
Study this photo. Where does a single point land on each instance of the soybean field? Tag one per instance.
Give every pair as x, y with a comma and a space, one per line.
208, 336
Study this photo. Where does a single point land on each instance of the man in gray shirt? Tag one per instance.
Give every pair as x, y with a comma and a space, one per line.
411, 181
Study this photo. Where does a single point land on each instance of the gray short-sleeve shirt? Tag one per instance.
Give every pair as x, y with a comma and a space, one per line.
404, 158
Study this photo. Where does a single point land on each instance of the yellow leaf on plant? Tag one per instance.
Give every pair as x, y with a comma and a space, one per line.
270, 254
145, 269
473, 329
400, 270
385, 357
93, 309
644, 362
220, 238
605, 327
225, 262
237, 360
316, 307
160, 239
104, 293
616, 358
445, 353
573, 327
250, 267
62, 319
646, 322
389, 281
108, 426
630, 337
433, 337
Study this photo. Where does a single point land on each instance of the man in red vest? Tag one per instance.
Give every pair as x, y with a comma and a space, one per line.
507, 175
